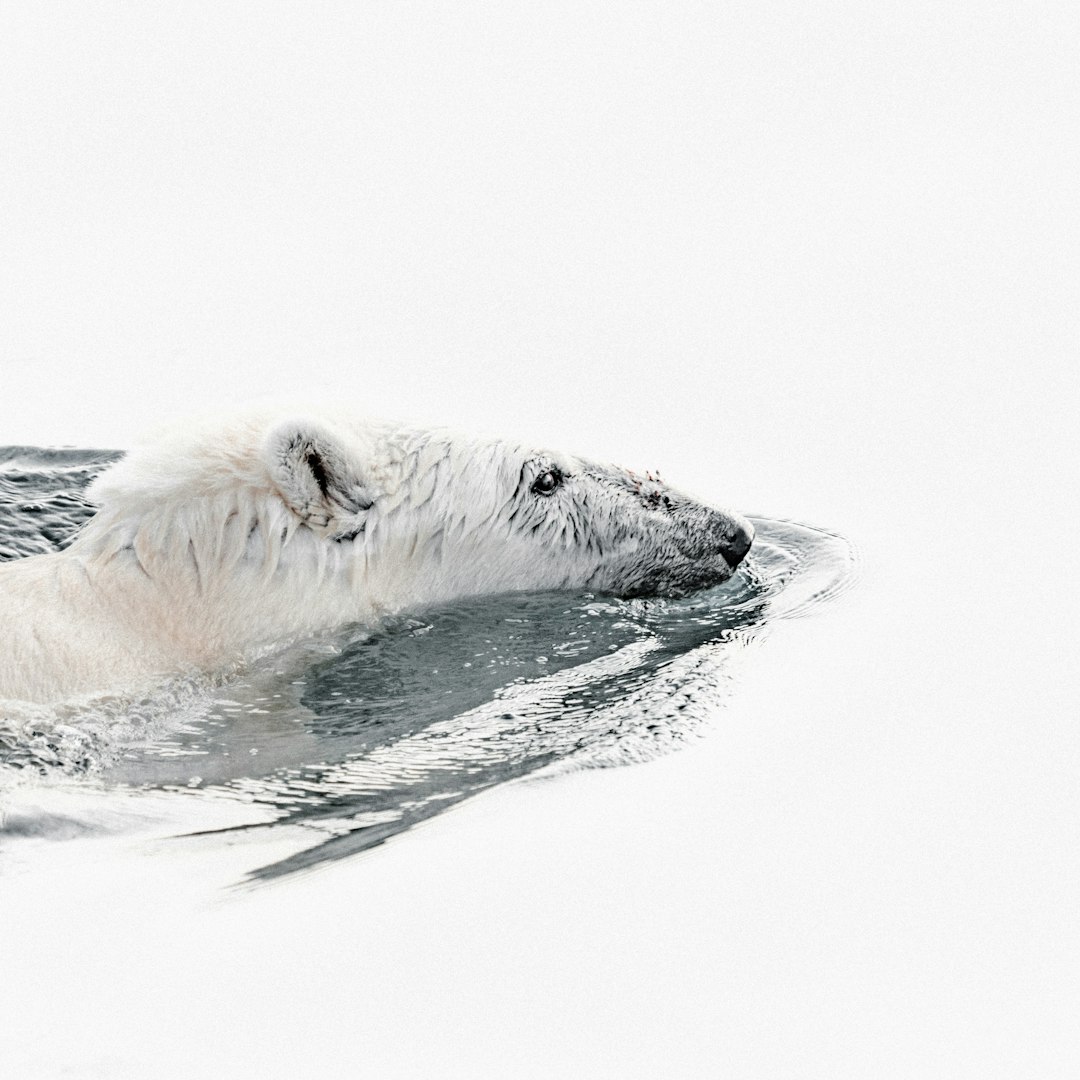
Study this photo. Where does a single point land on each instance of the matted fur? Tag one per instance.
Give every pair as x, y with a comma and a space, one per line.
224, 539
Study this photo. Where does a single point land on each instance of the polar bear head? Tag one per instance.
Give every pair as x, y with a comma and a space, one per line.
464, 516
344, 518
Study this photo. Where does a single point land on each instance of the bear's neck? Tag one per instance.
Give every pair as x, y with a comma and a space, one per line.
75, 624
61, 634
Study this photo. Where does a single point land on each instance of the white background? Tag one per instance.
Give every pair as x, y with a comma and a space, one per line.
817, 261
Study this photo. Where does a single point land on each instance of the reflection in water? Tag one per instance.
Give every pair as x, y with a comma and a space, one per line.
358, 736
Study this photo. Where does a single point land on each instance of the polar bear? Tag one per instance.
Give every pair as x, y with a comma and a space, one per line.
225, 540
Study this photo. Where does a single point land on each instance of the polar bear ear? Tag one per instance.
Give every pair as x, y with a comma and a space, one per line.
318, 477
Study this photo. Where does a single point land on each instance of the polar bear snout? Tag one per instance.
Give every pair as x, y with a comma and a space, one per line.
735, 547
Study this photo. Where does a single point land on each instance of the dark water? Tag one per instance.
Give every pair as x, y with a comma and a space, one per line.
358, 736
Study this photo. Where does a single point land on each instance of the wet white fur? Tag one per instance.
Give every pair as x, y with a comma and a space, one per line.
219, 542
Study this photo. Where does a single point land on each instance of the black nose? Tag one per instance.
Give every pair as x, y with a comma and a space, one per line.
734, 551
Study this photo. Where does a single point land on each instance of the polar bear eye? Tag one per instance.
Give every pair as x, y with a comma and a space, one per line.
547, 482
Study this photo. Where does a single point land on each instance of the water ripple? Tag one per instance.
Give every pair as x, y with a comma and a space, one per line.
357, 736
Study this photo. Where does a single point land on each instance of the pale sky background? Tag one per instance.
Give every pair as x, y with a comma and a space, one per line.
687, 236
811, 260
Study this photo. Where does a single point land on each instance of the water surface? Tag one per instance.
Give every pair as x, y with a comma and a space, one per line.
351, 738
